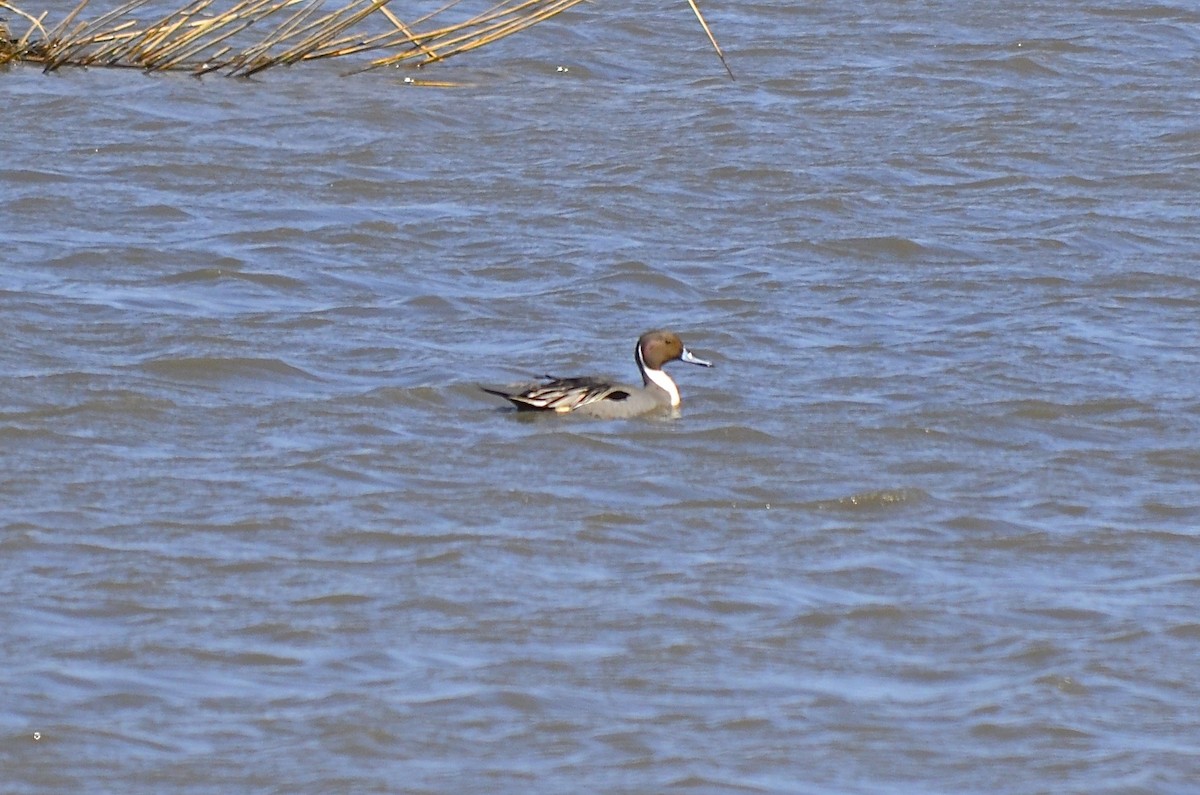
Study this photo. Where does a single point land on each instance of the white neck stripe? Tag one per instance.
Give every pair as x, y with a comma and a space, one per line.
663, 381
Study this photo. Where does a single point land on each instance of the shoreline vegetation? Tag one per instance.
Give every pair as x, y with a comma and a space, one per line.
240, 38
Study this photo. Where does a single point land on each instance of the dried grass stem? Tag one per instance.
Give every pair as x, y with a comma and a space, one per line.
201, 38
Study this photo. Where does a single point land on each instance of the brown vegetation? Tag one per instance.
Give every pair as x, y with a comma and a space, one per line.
243, 37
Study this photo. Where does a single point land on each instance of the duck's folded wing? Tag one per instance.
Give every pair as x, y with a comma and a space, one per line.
562, 394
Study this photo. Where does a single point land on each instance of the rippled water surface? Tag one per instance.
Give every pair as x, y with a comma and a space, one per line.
930, 524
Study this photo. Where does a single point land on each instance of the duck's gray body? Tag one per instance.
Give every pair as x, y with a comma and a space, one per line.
603, 399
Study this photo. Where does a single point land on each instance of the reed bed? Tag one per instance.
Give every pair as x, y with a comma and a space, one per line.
243, 37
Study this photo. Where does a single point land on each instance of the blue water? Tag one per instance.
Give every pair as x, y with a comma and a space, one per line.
929, 525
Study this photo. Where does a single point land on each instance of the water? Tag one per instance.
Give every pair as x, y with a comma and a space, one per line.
930, 525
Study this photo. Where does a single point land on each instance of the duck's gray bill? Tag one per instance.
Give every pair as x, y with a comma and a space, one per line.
690, 358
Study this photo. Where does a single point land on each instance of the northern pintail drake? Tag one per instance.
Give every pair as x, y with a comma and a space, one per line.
596, 397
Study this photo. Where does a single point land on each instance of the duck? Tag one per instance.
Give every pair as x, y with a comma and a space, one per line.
603, 399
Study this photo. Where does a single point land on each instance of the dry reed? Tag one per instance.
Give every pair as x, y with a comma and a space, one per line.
244, 37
